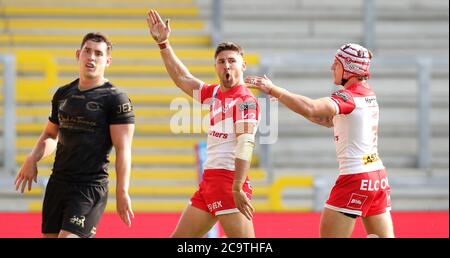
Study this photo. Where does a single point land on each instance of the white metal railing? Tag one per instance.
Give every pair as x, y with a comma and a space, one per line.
370, 19
217, 21
9, 113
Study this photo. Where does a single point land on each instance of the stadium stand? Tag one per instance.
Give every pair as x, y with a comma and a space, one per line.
44, 36
164, 170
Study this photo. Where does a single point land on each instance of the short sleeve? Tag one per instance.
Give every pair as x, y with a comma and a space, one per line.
246, 110
344, 101
206, 92
121, 110
53, 117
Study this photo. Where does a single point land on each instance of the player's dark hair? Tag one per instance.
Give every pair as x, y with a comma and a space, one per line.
228, 46
97, 37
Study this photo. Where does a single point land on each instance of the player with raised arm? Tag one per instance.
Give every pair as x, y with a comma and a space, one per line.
224, 192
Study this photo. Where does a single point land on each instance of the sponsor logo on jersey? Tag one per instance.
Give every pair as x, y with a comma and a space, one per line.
92, 106
218, 135
76, 123
373, 185
371, 100
342, 95
214, 205
247, 106
371, 158
124, 108
356, 201
79, 221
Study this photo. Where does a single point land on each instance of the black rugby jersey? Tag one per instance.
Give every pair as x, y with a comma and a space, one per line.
84, 141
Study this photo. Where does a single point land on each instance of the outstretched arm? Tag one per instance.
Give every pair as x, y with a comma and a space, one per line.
179, 73
319, 111
323, 121
45, 146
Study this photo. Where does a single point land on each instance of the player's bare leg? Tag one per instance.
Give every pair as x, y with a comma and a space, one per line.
334, 224
236, 225
194, 222
50, 235
380, 225
67, 234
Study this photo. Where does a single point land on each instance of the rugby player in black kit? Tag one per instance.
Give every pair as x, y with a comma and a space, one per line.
88, 117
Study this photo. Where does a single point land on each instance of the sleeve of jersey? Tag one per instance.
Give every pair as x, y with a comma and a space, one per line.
206, 91
343, 101
246, 110
53, 117
121, 111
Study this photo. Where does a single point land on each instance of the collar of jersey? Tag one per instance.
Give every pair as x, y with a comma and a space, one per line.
95, 87
230, 91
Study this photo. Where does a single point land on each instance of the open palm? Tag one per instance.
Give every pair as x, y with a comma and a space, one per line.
263, 84
159, 30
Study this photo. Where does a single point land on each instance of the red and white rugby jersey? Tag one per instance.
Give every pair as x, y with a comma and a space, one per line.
356, 129
236, 105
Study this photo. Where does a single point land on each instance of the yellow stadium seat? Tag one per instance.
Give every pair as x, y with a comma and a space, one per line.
73, 11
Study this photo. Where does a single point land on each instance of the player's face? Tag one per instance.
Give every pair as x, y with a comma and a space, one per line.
338, 72
230, 68
93, 59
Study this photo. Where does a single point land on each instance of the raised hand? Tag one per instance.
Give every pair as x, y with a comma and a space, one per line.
159, 30
263, 84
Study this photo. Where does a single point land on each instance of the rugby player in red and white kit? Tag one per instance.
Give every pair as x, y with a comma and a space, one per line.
224, 192
362, 187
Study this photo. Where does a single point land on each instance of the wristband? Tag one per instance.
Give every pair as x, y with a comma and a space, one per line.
163, 45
